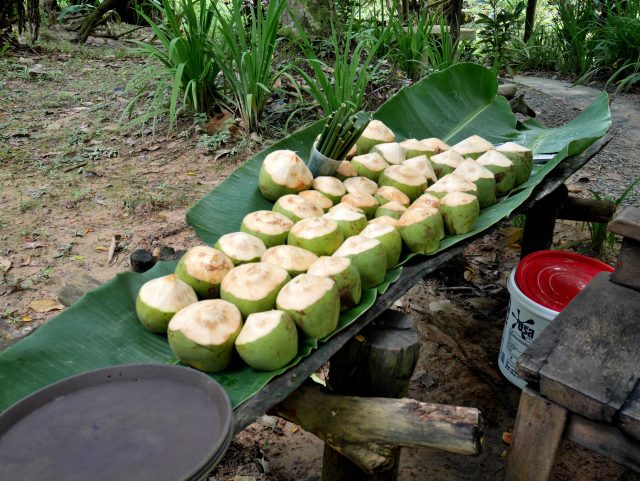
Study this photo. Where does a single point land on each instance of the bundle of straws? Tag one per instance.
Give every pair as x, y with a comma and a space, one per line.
341, 131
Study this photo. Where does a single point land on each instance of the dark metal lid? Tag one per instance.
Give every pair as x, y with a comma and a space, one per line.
136, 422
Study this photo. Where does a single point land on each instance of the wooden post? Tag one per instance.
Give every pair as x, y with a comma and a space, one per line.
541, 220
378, 362
529, 19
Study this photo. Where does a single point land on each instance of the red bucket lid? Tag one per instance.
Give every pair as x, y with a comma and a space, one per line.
553, 278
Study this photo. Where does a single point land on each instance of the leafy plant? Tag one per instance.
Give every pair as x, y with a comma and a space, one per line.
540, 52
496, 32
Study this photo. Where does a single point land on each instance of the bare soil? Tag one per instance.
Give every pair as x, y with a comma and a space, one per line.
72, 178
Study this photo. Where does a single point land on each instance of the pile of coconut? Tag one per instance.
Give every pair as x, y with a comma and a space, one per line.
290, 271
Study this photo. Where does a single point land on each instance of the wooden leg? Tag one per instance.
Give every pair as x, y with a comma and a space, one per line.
536, 438
541, 220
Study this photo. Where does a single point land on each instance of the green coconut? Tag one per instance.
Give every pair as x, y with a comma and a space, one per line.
268, 340
369, 257
388, 193
421, 229
345, 170
375, 133
330, 186
203, 268
451, 183
460, 212
473, 147
445, 163
363, 201
391, 152
426, 200
502, 169
295, 207
390, 239
283, 172
295, 260
406, 179
522, 159
253, 287
320, 235
423, 165
484, 179
159, 299
270, 227
317, 198
313, 303
384, 220
414, 148
346, 276
392, 209
434, 145
241, 247
360, 184
202, 335
369, 165
350, 219
353, 151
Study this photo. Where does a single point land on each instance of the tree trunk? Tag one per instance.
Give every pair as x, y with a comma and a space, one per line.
94, 19
529, 19
455, 16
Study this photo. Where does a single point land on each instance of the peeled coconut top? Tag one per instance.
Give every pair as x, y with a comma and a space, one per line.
289, 257
373, 231
392, 194
493, 157
376, 130
471, 171
207, 323
207, 264
268, 222
471, 145
259, 324
391, 152
394, 205
254, 281
360, 199
303, 291
286, 168
451, 183
405, 175
360, 184
512, 147
167, 294
346, 215
433, 143
413, 216
299, 206
448, 157
372, 161
425, 200
317, 198
329, 266
346, 169
453, 199
241, 245
330, 185
356, 245
384, 220
344, 206
413, 144
314, 227
421, 164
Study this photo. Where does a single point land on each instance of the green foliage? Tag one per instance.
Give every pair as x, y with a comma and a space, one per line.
540, 52
496, 30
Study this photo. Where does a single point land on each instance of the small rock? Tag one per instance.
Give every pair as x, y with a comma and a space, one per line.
268, 421
438, 306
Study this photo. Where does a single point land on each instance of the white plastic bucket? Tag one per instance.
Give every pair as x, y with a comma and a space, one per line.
525, 320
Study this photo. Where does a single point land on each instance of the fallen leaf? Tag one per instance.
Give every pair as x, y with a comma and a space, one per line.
483, 303
468, 275
5, 264
26, 262
359, 338
221, 153
115, 240
46, 305
34, 245
78, 258
26, 318
437, 306
101, 249
295, 428
510, 235
507, 437
191, 174
217, 123
37, 69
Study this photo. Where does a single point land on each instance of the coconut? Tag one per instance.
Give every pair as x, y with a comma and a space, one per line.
296, 207
369, 165
384, 220
350, 219
330, 186
363, 201
159, 299
369, 257
484, 179
473, 146
313, 303
203, 268
421, 229
391, 152
254, 287
295, 260
406, 179
423, 165
360, 184
451, 183
202, 334
271, 227
502, 169
345, 170
426, 200
375, 133
388, 193
390, 239
414, 148
522, 159
268, 340
445, 163
346, 276
317, 198
353, 151
392, 209
241, 247
283, 172
435, 145
460, 212
320, 235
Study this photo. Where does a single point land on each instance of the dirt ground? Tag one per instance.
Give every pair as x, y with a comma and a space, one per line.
72, 178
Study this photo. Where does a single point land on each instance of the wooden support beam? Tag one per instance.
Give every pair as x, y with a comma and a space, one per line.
587, 210
541, 220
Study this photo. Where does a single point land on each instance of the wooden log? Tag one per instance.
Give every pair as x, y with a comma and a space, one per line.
541, 220
587, 210
141, 260
76, 287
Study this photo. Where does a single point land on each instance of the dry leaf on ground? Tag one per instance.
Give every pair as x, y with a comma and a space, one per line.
46, 305
5, 264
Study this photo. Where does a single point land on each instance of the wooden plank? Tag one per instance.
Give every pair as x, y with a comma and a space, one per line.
627, 271
627, 223
536, 438
630, 415
541, 220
